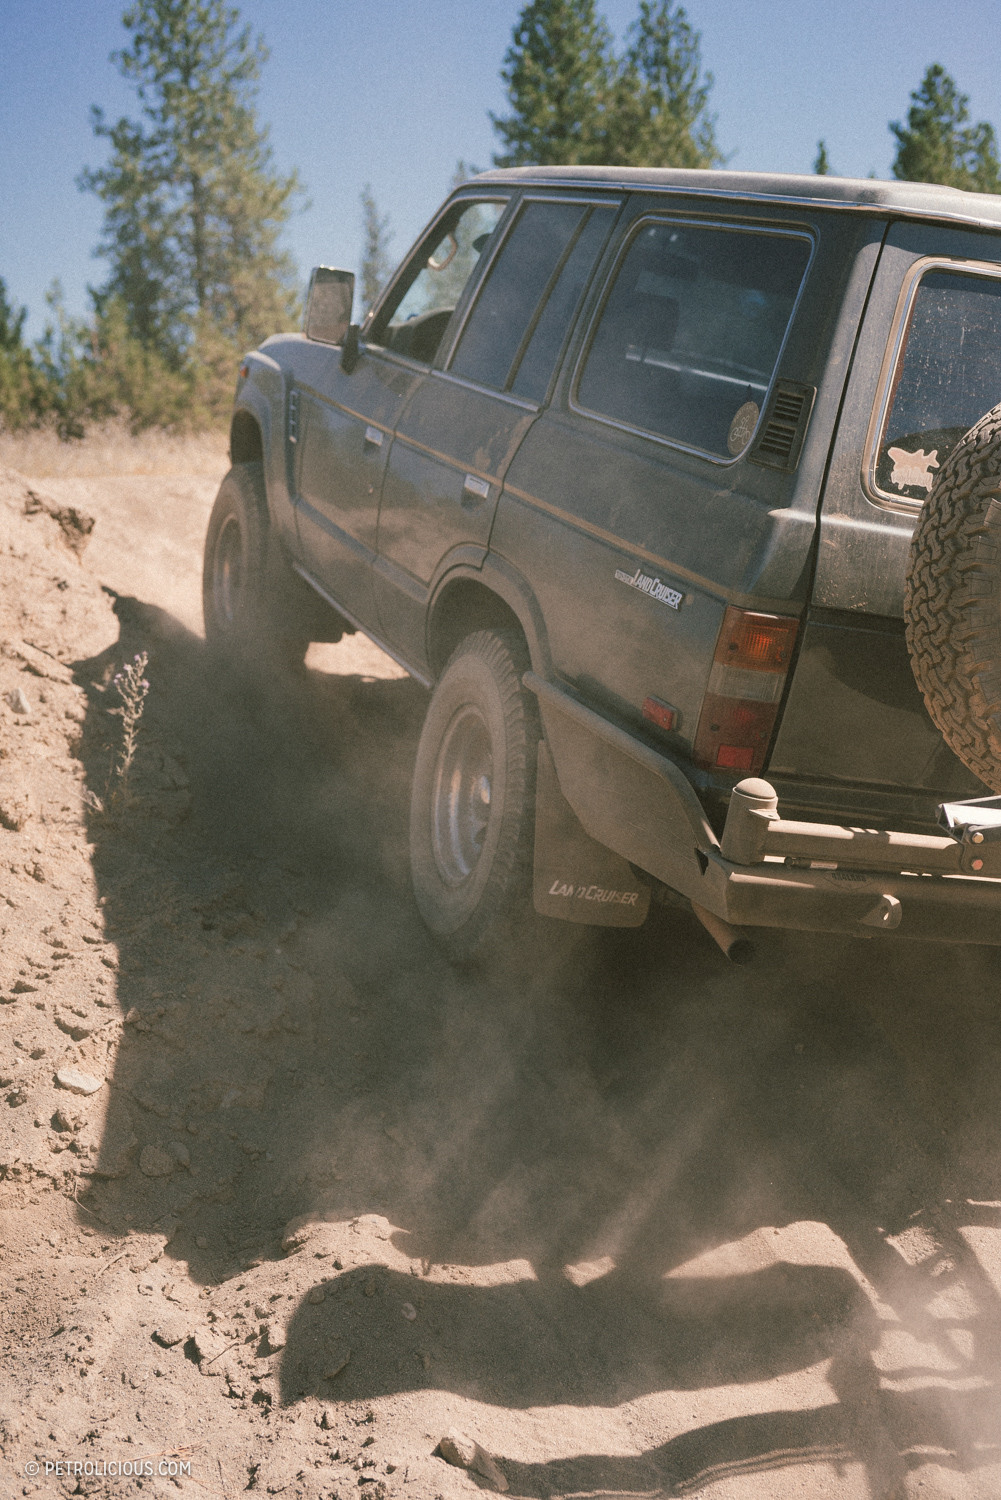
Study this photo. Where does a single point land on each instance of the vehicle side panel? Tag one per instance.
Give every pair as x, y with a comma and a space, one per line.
587, 500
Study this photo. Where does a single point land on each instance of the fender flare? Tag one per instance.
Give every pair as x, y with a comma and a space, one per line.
498, 577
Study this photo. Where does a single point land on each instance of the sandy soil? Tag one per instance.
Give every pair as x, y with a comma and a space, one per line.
620, 1219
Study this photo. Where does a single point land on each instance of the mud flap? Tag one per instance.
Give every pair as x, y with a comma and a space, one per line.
576, 878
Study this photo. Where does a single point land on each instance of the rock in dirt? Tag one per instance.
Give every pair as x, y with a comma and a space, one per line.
209, 1346
336, 1363
464, 1452
316, 1295
74, 524
180, 1153
298, 1231
15, 810
155, 1162
274, 1334
75, 1026
171, 1331
17, 700
77, 1082
41, 663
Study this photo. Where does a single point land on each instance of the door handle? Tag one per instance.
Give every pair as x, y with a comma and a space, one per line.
474, 490
373, 437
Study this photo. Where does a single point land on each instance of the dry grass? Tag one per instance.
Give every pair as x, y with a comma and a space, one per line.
112, 449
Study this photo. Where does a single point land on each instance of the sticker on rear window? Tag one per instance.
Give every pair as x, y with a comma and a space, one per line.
912, 470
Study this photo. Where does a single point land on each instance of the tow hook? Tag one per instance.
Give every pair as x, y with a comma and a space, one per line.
886, 914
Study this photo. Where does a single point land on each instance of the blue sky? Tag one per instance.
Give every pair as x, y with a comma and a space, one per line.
393, 93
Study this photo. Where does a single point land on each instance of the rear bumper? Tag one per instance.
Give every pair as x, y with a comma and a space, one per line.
931, 908
766, 871
770, 871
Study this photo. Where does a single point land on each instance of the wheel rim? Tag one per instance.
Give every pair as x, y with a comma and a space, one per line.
460, 808
227, 572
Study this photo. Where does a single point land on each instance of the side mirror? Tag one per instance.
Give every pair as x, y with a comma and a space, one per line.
328, 304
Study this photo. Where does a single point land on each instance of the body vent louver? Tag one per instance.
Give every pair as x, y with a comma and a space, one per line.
784, 427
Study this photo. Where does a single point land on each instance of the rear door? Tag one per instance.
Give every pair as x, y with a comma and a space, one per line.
926, 369
466, 418
633, 505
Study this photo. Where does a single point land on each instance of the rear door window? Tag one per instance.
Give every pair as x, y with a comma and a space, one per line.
691, 331
547, 333
527, 263
946, 375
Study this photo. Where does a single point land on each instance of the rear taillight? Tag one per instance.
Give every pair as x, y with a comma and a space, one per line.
750, 663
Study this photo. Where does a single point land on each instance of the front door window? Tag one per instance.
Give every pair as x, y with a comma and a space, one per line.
414, 320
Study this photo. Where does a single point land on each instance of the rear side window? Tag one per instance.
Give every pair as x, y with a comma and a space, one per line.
552, 324
515, 284
947, 374
691, 332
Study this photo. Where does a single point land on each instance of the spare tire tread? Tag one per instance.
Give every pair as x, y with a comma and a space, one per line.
952, 601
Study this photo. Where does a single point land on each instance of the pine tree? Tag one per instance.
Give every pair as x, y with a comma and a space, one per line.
193, 205
822, 162
375, 264
463, 172
937, 145
559, 73
660, 116
23, 390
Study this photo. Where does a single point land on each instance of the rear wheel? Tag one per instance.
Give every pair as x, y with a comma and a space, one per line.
248, 587
473, 802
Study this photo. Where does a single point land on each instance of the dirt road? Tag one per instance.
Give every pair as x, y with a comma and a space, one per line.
628, 1219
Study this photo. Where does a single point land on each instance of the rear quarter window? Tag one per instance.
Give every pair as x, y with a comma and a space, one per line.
691, 330
945, 376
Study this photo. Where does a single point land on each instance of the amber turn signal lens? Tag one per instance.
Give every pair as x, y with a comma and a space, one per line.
756, 642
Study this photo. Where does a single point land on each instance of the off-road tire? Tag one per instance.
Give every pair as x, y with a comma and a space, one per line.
952, 602
244, 578
473, 887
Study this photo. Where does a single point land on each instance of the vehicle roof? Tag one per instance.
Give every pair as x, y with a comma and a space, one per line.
926, 200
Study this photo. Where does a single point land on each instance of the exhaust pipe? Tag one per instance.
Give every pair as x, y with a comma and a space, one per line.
730, 940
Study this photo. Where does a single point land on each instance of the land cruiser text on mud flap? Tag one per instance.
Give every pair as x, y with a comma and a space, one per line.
665, 482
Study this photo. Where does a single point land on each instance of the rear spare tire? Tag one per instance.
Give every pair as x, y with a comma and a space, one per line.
952, 601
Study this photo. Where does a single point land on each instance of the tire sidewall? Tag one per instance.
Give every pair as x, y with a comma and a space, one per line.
241, 499
481, 673
952, 600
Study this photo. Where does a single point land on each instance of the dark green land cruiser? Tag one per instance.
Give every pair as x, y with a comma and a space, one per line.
669, 485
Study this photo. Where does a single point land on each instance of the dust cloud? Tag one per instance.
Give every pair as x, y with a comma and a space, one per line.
636, 1220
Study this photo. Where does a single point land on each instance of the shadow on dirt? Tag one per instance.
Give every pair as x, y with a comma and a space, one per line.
626, 1101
